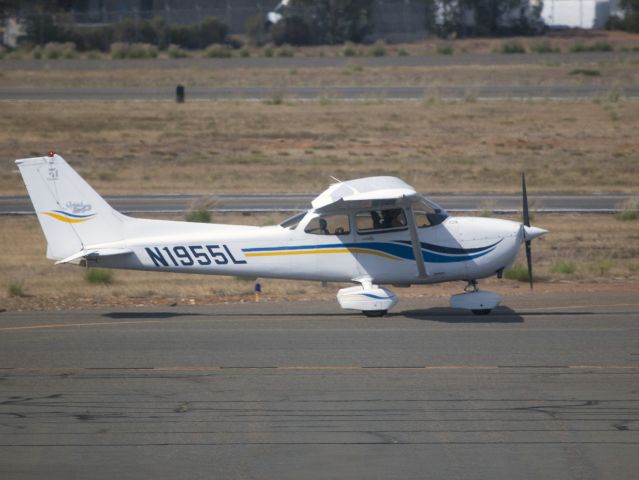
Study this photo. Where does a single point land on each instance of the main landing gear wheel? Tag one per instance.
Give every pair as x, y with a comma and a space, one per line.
482, 311
374, 313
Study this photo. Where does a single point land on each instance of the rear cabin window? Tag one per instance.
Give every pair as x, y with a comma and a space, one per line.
381, 220
329, 225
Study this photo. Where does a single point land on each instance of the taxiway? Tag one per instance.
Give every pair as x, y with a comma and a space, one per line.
544, 388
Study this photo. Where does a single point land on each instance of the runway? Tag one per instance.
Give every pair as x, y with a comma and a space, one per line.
544, 388
289, 202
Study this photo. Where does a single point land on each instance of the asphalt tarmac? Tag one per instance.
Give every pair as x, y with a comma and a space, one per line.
546, 387
289, 202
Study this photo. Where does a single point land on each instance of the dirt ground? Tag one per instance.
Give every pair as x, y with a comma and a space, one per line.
602, 250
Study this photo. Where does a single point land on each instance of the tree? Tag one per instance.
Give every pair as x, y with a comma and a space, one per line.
489, 17
630, 19
332, 21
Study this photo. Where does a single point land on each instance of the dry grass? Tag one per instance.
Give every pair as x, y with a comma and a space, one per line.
603, 250
216, 147
611, 73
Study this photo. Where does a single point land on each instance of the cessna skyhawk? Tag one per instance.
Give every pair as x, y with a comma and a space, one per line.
370, 232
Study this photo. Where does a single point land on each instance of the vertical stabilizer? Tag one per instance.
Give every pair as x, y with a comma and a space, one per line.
72, 215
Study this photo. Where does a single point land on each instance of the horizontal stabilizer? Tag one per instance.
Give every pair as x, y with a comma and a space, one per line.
94, 254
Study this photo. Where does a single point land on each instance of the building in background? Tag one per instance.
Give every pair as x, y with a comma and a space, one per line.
578, 13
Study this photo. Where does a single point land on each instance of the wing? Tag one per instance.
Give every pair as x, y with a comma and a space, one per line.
374, 192
364, 193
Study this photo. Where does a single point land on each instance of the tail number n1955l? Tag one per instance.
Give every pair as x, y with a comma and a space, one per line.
181, 255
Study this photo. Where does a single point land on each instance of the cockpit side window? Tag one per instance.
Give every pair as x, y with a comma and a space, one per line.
392, 219
292, 222
329, 225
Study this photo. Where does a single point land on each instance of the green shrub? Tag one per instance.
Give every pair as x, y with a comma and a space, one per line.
349, 51
601, 47
176, 52
198, 215
594, 47
602, 267
378, 50
121, 50
586, 72
16, 289
517, 272
218, 51
544, 47
402, 52
98, 276
276, 99
53, 50
628, 214
245, 53
564, 266
512, 47
268, 52
285, 52
445, 50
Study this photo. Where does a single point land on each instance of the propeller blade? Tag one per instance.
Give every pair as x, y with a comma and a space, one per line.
526, 219
529, 261
525, 200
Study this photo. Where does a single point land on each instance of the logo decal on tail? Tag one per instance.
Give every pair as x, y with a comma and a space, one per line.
68, 217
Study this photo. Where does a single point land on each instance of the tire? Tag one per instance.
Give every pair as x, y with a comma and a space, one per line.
483, 311
374, 313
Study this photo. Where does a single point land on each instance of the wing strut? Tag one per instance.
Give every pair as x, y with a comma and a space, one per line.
414, 240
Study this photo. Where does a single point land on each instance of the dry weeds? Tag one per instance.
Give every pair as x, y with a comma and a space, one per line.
611, 73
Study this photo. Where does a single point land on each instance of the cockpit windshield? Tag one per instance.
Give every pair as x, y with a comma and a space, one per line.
428, 213
292, 222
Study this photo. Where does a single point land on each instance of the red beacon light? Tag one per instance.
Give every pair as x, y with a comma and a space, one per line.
51, 153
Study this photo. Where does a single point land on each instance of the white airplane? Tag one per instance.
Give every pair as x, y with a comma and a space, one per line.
369, 231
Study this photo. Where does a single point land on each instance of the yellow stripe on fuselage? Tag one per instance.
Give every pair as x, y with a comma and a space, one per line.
326, 250
297, 252
62, 218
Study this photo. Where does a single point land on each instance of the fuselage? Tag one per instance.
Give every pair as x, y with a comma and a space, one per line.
458, 248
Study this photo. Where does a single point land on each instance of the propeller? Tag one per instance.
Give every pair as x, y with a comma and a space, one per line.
526, 219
